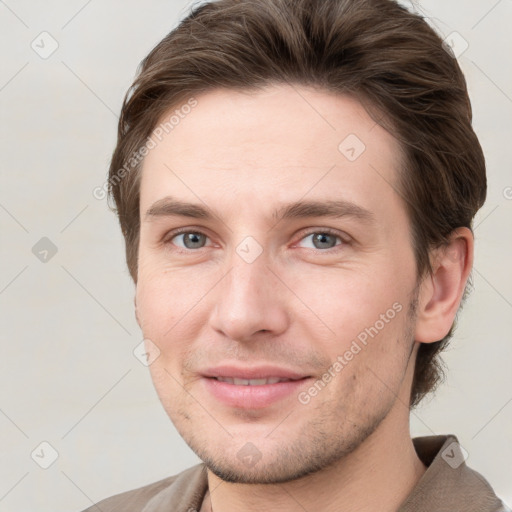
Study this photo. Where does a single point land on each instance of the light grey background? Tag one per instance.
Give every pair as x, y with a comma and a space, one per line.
68, 374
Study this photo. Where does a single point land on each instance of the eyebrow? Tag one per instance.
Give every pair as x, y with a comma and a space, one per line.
168, 207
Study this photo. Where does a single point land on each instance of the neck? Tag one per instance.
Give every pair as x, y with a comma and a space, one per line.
378, 475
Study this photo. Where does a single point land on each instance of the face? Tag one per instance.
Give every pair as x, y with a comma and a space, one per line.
275, 280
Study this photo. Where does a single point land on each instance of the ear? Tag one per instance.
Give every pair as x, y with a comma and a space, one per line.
136, 313
441, 292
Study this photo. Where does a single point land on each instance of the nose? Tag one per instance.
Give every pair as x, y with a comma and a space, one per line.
250, 301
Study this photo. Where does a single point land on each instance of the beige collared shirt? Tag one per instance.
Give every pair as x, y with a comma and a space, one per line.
448, 485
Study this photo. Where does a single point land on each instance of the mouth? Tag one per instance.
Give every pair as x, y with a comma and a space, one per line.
252, 388
252, 382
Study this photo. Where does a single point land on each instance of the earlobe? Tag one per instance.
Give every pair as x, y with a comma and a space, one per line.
441, 292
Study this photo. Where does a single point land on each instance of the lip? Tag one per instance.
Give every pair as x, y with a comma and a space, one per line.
255, 372
252, 397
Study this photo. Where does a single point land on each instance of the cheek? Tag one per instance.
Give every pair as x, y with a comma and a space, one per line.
160, 310
163, 295
342, 303
371, 368
153, 304
171, 313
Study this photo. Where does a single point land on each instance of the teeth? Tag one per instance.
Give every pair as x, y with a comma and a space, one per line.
250, 382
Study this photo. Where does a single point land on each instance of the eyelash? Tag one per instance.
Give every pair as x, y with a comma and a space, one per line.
327, 231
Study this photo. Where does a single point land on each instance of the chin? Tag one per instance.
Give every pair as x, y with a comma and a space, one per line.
269, 473
281, 461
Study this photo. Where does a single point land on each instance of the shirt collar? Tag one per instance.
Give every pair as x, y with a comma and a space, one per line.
447, 484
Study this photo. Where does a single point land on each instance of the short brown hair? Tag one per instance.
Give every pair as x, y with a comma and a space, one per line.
388, 58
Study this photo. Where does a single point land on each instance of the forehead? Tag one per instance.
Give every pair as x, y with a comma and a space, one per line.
273, 145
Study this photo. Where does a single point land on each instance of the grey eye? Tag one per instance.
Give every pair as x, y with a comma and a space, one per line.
192, 240
322, 240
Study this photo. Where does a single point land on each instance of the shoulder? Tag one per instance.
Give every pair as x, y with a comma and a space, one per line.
189, 485
448, 483
135, 499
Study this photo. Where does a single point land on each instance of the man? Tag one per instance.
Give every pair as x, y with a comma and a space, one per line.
296, 183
